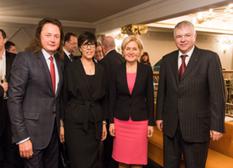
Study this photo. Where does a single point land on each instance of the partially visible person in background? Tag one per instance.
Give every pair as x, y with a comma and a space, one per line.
10, 47
131, 107
84, 114
9, 154
99, 54
110, 63
145, 59
70, 47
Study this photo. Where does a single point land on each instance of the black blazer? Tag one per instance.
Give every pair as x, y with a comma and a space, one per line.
3, 112
32, 105
196, 101
79, 103
111, 63
139, 105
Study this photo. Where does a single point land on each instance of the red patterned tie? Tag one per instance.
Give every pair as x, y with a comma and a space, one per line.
182, 66
52, 74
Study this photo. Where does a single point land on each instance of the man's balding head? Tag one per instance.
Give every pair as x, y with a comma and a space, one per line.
108, 43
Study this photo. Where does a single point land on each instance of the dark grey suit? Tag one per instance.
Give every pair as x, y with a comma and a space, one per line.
193, 106
33, 107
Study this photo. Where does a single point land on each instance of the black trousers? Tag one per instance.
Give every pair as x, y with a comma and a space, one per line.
194, 154
45, 158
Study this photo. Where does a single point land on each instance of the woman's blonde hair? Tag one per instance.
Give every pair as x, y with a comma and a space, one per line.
129, 39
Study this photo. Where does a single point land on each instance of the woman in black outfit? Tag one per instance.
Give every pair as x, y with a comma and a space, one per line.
83, 95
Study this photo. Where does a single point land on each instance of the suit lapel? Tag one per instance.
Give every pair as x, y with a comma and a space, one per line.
46, 71
8, 66
59, 69
138, 78
97, 81
192, 63
83, 81
124, 77
174, 66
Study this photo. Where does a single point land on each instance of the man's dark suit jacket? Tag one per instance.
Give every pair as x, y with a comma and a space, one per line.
110, 62
32, 105
140, 104
3, 112
196, 101
67, 60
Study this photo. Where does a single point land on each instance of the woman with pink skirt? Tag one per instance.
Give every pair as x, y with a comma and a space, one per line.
131, 107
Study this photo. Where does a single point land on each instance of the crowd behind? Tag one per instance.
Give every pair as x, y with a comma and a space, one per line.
96, 109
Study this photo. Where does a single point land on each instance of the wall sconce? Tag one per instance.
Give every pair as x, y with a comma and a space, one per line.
136, 29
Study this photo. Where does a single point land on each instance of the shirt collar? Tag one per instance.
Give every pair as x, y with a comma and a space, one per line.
4, 55
188, 53
66, 52
109, 51
46, 54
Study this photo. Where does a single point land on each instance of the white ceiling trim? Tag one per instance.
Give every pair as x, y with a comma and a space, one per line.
34, 21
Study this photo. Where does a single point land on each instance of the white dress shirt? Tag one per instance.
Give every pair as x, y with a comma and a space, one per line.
47, 56
189, 54
3, 66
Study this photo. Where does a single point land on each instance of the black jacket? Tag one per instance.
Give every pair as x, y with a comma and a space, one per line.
79, 103
139, 105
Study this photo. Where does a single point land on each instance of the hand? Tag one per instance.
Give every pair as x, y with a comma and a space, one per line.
62, 134
25, 149
215, 136
159, 124
150, 131
4, 86
104, 132
112, 129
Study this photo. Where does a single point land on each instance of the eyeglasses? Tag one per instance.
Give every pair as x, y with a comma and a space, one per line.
85, 46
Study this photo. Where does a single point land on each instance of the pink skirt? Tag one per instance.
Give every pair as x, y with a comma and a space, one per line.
130, 142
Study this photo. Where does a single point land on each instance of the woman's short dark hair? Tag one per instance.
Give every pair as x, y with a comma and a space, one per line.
87, 37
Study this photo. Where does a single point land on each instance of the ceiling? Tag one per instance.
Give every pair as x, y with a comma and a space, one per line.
106, 14
69, 10
218, 19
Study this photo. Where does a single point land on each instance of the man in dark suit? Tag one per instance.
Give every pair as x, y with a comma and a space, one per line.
70, 46
190, 102
110, 62
9, 157
34, 97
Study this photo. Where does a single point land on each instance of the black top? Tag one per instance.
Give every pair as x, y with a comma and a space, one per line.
91, 87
